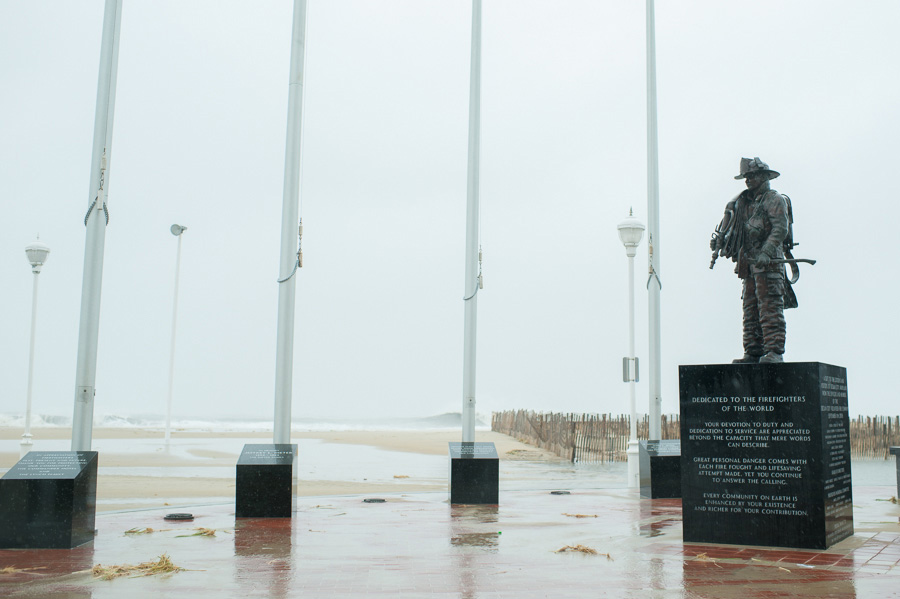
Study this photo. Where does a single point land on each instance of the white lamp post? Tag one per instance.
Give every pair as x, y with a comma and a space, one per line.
176, 230
631, 230
37, 254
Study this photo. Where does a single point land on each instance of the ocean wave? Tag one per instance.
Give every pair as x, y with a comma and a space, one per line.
37, 420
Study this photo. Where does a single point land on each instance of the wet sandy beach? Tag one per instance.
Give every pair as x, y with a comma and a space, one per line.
138, 469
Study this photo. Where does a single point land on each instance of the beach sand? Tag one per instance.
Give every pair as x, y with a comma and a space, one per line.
138, 470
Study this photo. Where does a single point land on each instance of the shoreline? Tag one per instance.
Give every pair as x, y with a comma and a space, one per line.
138, 470
427, 441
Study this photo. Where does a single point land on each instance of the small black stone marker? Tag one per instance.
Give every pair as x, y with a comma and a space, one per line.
896, 452
474, 473
48, 500
373, 500
660, 468
180, 516
560, 493
266, 481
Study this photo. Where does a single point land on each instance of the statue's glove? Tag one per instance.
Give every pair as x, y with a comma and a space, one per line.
763, 260
713, 243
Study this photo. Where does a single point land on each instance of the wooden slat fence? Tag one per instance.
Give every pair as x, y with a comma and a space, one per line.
873, 436
577, 437
604, 437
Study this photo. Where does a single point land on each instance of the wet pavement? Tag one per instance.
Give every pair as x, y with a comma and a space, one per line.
417, 545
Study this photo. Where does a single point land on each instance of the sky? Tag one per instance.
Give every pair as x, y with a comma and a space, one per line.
809, 86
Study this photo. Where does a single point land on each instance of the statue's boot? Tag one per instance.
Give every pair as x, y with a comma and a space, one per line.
747, 359
771, 358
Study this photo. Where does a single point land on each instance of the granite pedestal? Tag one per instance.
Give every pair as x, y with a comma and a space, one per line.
474, 473
266, 481
48, 500
765, 454
895, 451
660, 464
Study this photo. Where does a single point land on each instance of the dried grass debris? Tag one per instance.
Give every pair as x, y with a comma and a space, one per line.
705, 558
582, 549
14, 570
201, 532
579, 548
163, 565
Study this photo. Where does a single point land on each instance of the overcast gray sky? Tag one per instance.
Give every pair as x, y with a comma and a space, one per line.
811, 87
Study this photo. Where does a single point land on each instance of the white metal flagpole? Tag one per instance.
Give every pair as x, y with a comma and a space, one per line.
290, 252
95, 221
473, 277
654, 285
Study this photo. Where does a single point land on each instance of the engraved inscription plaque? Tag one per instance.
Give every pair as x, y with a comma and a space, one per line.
765, 454
266, 481
660, 468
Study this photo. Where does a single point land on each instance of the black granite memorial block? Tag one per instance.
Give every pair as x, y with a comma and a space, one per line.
48, 500
896, 452
266, 481
474, 473
765, 454
660, 463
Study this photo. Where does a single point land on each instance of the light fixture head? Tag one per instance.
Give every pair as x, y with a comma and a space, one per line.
631, 230
177, 230
37, 254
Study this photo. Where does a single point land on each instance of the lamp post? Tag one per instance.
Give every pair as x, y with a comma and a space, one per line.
176, 230
37, 254
631, 230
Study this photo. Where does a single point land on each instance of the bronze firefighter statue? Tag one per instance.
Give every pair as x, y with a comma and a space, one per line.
756, 233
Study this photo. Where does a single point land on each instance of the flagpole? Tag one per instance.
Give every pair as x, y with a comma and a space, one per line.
473, 277
654, 284
290, 252
96, 220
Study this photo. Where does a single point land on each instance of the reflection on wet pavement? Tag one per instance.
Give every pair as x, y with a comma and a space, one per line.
474, 526
417, 545
657, 515
476, 539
